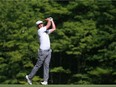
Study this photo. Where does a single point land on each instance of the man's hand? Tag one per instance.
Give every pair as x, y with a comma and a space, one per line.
51, 19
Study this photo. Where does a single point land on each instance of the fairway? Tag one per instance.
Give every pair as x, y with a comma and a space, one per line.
58, 86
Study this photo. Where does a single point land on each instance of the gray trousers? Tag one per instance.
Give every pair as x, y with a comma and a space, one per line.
44, 57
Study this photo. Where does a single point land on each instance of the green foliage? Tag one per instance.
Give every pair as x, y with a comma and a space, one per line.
80, 79
84, 44
100, 72
60, 70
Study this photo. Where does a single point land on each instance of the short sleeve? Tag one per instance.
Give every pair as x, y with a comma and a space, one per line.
47, 31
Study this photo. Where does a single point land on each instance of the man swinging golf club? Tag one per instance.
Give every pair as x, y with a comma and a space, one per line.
44, 54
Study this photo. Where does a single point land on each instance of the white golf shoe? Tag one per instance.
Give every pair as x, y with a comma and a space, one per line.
44, 83
28, 80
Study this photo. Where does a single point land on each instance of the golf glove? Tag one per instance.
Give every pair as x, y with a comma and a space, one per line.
51, 19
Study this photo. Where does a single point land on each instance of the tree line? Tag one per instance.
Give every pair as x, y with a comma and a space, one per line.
84, 44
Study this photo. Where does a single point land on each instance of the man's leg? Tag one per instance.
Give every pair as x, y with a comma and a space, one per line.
38, 64
46, 66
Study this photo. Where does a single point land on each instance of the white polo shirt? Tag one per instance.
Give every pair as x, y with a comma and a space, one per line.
44, 38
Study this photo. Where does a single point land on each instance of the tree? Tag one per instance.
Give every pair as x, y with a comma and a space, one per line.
84, 44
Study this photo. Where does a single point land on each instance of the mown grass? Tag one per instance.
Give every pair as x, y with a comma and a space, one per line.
57, 85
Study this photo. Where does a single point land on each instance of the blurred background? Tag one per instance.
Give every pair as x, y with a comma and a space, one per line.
84, 44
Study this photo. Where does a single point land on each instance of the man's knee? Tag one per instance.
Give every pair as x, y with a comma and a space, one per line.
46, 64
39, 63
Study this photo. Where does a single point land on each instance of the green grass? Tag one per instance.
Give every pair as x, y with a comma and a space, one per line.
58, 86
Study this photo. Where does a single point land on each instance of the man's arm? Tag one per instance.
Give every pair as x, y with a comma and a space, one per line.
48, 23
53, 26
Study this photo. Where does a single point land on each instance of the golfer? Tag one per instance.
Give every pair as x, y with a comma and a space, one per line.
44, 54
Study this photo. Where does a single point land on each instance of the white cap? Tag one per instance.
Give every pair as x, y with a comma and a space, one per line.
39, 22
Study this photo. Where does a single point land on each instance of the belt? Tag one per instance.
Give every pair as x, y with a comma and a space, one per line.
45, 50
